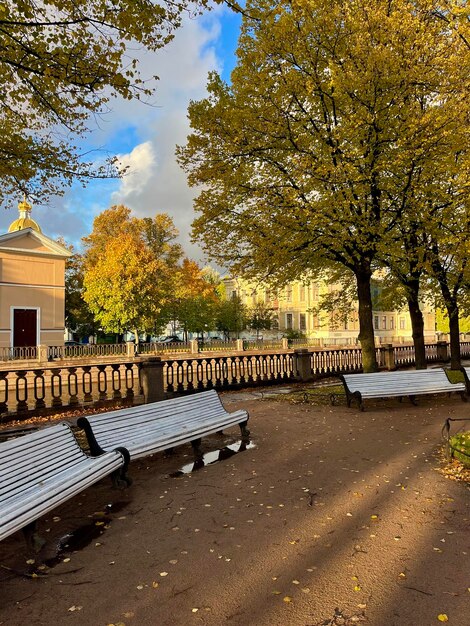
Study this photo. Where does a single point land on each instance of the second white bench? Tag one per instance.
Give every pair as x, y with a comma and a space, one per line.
409, 383
161, 426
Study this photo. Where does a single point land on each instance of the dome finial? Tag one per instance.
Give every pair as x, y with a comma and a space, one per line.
25, 220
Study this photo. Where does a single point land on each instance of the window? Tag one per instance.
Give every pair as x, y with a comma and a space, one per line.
275, 324
376, 322
302, 293
289, 320
314, 293
289, 293
402, 323
302, 321
392, 323
384, 322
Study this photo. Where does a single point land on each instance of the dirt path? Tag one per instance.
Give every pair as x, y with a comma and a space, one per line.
333, 517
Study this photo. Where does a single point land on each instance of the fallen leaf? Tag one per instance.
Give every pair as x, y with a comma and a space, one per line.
442, 617
287, 599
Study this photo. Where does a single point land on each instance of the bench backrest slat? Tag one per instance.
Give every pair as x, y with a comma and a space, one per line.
34, 457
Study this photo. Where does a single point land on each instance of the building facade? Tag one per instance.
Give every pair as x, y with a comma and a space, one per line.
296, 308
32, 285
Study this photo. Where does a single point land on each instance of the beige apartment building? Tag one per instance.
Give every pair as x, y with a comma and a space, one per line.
294, 307
32, 285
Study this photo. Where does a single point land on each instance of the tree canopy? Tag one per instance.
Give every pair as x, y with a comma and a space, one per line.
317, 150
129, 269
62, 61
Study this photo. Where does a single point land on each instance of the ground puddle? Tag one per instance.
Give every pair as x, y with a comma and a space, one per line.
82, 536
213, 457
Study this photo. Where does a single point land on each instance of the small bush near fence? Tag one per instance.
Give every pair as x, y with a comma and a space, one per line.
460, 447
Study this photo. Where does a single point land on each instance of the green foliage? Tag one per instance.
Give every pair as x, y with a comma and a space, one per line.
338, 120
231, 317
260, 317
460, 446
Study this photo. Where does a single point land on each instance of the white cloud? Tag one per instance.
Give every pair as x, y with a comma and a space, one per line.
182, 67
139, 165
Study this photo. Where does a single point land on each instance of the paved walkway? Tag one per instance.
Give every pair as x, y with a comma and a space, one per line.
332, 517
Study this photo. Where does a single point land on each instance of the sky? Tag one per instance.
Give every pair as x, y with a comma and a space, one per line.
145, 137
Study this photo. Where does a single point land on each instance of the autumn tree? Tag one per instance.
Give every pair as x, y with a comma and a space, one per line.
78, 317
129, 268
120, 288
194, 297
313, 152
62, 62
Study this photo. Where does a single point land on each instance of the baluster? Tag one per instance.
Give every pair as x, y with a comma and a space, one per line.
272, 368
249, 369
224, 372
72, 386
241, 361
21, 394
180, 376
4, 392
129, 379
233, 370
116, 381
170, 377
210, 382
217, 372
102, 384
190, 375
87, 384
56, 388
39, 389
200, 375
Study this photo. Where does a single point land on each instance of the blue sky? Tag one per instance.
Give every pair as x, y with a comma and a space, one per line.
145, 137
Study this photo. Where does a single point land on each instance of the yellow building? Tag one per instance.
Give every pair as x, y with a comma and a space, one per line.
32, 285
293, 308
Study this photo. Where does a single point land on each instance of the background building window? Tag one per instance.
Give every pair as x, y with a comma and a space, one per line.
289, 321
384, 322
302, 321
376, 322
402, 323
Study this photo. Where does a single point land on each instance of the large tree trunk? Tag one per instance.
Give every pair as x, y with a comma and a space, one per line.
454, 329
366, 327
417, 325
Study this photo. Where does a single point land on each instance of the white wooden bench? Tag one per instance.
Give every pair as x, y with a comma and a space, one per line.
42, 469
409, 383
161, 426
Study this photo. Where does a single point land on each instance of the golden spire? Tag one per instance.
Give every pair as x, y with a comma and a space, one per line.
24, 220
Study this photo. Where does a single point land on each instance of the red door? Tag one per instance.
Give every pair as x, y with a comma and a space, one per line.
24, 327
